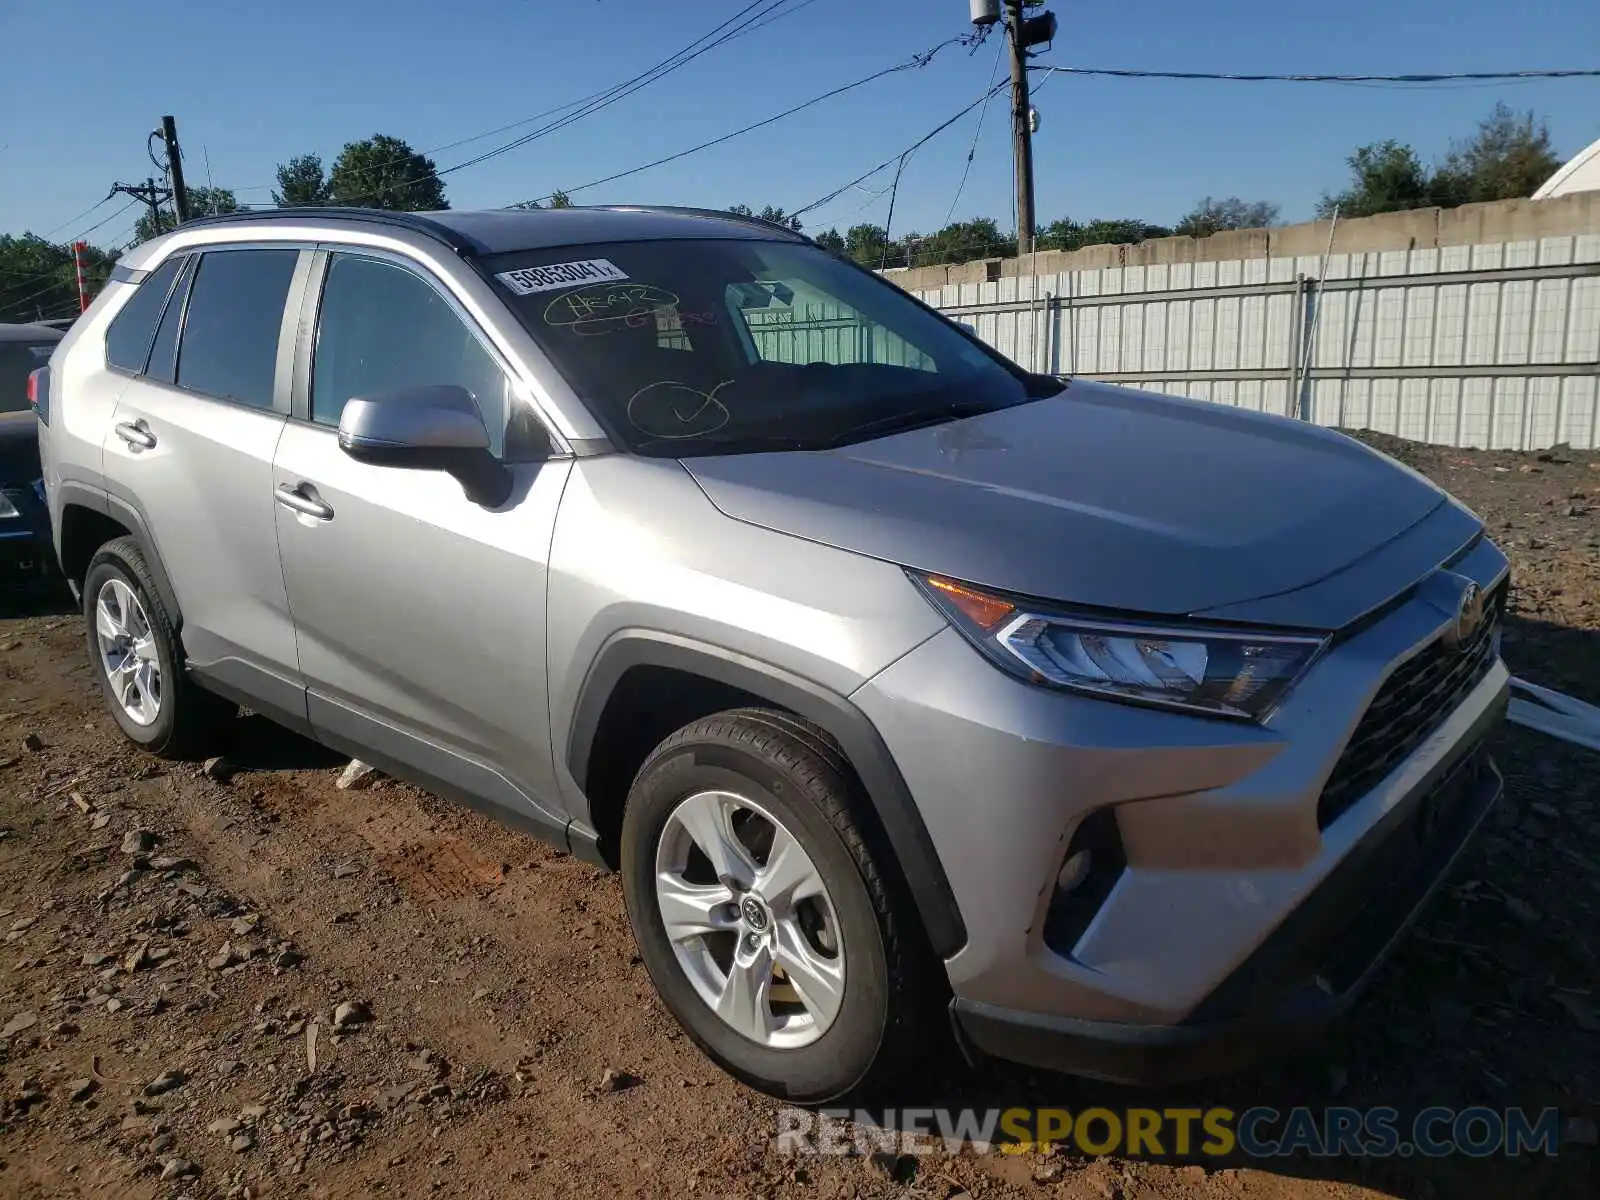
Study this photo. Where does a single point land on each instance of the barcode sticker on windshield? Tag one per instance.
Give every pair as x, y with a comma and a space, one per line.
527, 280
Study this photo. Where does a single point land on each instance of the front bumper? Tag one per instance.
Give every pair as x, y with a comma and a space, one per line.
1239, 879
1307, 973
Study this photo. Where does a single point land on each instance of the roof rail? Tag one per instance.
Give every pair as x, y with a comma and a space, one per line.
715, 213
414, 222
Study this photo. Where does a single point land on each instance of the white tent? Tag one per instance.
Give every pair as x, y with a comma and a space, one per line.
1582, 174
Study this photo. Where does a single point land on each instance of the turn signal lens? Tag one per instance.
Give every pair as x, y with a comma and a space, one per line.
982, 610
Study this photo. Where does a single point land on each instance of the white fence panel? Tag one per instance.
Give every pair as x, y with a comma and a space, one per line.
1489, 346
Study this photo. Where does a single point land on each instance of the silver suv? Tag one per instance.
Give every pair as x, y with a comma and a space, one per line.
1132, 730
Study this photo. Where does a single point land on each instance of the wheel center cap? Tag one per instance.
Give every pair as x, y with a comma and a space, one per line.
755, 913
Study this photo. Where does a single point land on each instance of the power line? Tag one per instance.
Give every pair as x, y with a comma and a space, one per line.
11, 305
976, 133
48, 234
49, 278
717, 37
915, 62
595, 101
109, 219
1230, 77
889, 162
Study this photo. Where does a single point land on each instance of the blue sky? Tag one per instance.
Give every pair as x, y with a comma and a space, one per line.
254, 85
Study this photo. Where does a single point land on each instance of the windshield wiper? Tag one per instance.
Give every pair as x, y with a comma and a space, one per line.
733, 444
920, 418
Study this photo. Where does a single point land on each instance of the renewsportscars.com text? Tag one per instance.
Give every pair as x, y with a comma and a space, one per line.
1259, 1132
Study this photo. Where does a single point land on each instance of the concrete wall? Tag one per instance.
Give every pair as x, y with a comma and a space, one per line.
1417, 229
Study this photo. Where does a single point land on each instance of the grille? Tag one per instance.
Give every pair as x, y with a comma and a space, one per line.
1411, 704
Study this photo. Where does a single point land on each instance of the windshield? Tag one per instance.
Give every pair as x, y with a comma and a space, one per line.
709, 346
17, 361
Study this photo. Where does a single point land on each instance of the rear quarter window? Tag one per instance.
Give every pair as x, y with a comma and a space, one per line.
132, 330
229, 345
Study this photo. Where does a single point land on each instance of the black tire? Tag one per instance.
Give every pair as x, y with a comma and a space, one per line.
800, 777
188, 716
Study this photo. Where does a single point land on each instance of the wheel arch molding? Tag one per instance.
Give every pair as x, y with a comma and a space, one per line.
102, 513
890, 800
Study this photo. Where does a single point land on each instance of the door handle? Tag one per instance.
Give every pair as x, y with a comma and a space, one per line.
137, 434
294, 498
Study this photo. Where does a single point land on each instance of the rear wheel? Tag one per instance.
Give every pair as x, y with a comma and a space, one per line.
136, 657
761, 913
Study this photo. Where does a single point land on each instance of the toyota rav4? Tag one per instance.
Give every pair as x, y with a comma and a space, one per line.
906, 689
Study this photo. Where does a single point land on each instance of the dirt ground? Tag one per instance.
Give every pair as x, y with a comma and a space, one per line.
264, 985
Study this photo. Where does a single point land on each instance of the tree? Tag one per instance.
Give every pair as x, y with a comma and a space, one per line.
768, 213
385, 172
1212, 216
832, 241
1067, 234
866, 244
1508, 158
962, 242
39, 281
557, 198
203, 202
1384, 177
301, 181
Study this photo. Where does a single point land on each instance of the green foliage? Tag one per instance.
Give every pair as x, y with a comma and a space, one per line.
1067, 234
385, 172
1384, 177
1213, 216
768, 213
1506, 158
959, 242
867, 244
1509, 157
557, 198
301, 181
832, 241
38, 280
203, 202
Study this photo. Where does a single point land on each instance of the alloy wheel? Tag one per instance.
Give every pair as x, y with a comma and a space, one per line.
750, 919
128, 651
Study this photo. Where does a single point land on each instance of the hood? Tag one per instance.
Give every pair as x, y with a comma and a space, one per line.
1101, 496
19, 448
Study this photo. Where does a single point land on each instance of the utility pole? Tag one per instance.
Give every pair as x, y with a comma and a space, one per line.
180, 194
1021, 126
147, 193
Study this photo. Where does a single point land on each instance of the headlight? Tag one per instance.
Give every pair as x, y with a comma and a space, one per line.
7, 509
1222, 672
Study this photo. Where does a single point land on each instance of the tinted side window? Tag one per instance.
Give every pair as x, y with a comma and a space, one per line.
382, 327
131, 330
229, 347
164, 354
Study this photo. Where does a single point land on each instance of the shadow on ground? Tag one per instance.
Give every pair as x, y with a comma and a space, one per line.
254, 743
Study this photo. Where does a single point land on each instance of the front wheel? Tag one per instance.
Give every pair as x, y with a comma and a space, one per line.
760, 912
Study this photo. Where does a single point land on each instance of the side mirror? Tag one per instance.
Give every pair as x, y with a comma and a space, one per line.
969, 327
434, 428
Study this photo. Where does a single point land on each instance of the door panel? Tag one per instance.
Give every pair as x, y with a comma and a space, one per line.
198, 467
420, 618
205, 489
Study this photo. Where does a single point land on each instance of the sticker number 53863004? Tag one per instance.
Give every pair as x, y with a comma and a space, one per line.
526, 280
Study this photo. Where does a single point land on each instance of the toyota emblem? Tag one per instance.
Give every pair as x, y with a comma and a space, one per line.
1469, 616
